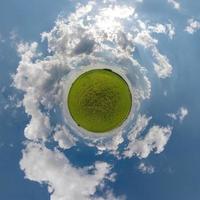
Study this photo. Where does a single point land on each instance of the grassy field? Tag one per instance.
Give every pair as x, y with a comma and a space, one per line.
99, 100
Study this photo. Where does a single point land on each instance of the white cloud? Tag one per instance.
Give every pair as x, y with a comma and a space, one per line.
139, 126
162, 66
40, 80
146, 169
145, 39
155, 140
179, 115
111, 144
175, 4
27, 79
63, 137
65, 182
172, 115
183, 112
161, 63
192, 26
164, 29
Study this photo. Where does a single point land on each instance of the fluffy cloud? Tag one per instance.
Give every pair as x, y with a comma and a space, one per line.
155, 140
146, 169
192, 26
65, 182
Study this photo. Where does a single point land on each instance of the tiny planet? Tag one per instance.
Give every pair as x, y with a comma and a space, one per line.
99, 100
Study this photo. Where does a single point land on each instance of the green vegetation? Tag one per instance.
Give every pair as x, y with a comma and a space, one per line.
99, 100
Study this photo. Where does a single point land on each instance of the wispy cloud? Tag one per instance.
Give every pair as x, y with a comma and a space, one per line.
161, 63
146, 168
179, 115
175, 4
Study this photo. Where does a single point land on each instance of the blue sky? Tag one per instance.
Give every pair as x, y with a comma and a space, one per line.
175, 169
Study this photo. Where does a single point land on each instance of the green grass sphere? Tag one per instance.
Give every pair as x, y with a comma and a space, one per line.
99, 100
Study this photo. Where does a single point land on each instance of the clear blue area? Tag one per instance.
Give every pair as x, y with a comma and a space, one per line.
177, 173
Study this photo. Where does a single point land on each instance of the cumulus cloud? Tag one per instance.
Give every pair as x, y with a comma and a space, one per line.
192, 26
155, 140
64, 180
27, 79
175, 4
146, 168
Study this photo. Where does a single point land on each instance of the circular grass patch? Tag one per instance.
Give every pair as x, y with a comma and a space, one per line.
99, 100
